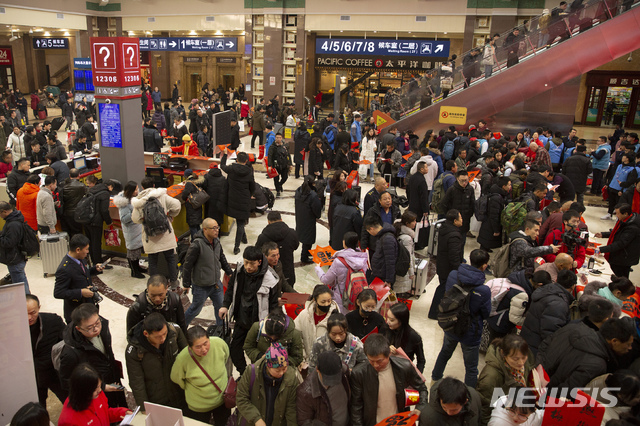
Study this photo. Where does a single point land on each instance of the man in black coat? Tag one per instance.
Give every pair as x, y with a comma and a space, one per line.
490, 235
577, 169
234, 142
17, 178
373, 195
418, 193
622, 250
73, 276
151, 136
343, 138
82, 346
240, 187
88, 130
72, 192
10, 238
157, 298
308, 208
287, 240
383, 261
449, 257
60, 168
102, 194
55, 146
214, 184
460, 197
45, 330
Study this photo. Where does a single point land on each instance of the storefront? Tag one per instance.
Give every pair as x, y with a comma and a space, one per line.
7, 73
612, 98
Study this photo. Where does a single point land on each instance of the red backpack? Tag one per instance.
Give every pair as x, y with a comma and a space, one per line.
356, 282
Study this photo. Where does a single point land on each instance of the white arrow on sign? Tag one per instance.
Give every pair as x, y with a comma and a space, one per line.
172, 44
439, 48
230, 44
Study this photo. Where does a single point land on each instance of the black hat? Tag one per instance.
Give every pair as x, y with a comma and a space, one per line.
330, 366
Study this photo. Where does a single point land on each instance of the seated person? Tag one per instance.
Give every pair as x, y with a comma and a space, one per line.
188, 147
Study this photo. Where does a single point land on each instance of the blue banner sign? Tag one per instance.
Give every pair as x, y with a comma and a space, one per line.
50, 43
82, 63
382, 47
110, 126
190, 44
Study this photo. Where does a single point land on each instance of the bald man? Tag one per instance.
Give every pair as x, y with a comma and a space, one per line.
372, 197
563, 262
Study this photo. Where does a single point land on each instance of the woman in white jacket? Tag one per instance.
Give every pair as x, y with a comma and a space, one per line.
15, 143
312, 321
368, 152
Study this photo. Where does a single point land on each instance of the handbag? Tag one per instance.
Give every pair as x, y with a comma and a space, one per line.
229, 394
111, 237
233, 418
198, 198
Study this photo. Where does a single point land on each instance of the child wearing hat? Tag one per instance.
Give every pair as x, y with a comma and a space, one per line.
188, 147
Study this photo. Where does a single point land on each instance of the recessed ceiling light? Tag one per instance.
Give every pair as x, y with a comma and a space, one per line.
445, 32
192, 32
341, 31
47, 34
66, 33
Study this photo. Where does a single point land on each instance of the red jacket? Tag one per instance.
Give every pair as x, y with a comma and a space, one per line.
183, 149
555, 237
35, 100
150, 106
26, 203
244, 109
98, 414
5, 168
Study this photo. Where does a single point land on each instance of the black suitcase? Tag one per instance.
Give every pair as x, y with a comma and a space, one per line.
358, 189
434, 230
56, 123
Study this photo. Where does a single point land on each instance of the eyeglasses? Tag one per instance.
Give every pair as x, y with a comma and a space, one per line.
215, 228
517, 416
95, 327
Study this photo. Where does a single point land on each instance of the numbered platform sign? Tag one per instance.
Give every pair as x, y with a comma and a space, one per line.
115, 61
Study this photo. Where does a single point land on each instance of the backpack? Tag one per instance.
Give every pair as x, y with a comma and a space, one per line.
155, 220
271, 199
500, 260
403, 261
438, 194
454, 315
517, 187
56, 351
356, 282
482, 207
513, 216
447, 151
85, 210
499, 288
29, 245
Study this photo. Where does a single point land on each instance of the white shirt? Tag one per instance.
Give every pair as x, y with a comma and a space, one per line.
501, 417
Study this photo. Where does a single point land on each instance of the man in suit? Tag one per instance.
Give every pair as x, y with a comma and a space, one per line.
418, 193
73, 277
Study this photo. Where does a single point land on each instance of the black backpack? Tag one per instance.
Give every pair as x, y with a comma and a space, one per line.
29, 245
271, 199
86, 209
403, 261
155, 220
454, 315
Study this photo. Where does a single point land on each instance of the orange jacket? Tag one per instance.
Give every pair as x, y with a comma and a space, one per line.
190, 148
26, 203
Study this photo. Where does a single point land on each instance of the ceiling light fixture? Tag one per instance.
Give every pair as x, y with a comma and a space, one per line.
193, 32
47, 33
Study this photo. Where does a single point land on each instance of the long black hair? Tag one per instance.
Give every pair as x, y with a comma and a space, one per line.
83, 382
400, 337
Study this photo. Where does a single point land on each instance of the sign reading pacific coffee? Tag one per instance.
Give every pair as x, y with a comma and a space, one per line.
384, 54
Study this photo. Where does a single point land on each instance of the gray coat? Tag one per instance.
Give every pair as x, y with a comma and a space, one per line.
203, 262
132, 231
45, 208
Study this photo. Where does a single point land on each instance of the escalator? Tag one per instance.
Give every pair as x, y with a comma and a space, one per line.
542, 88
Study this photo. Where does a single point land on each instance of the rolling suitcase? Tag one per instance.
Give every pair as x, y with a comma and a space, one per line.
432, 248
420, 279
53, 248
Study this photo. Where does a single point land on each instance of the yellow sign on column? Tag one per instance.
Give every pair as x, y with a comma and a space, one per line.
453, 115
287, 133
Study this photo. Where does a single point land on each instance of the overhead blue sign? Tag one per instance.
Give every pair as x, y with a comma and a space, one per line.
82, 63
190, 44
382, 47
50, 43
110, 126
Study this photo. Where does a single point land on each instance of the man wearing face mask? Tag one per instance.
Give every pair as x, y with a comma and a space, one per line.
157, 298
252, 293
324, 394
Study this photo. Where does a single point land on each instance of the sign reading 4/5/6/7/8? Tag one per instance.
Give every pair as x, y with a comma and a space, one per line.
383, 47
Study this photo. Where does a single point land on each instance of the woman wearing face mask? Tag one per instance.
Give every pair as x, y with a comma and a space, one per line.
201, 370
508, 364
401, 335
365, 319
267, 391
339, 340
87, 403
312, 321
277, 327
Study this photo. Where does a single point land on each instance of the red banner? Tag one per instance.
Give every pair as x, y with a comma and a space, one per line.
5, 56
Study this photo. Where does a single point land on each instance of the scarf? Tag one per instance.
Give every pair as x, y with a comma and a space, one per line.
517, 374
615, 229
635, 205
153, 305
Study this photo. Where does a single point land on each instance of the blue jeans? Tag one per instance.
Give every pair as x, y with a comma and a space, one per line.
488, 70
470, 355
18, 276
200, 295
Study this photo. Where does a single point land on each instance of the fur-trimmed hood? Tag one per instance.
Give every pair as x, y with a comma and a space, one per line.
139, 201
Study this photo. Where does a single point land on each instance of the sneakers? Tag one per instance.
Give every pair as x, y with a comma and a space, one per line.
606, 217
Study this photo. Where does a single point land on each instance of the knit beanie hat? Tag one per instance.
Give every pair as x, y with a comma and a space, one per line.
276, 356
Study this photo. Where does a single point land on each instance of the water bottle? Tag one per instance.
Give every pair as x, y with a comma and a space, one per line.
597, 252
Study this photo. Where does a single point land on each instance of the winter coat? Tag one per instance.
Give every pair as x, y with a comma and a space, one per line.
403, 283
450, 249
45, 208
479, 304
78, 349
151, 139
316, 160
396, 160
27, 201
368, 149
313, 404
98, 414
364, 390
555, 237
61, 171
492, 225
15, 181
203, 262
434, 415
88, 130
214, 184
383, 261
523, 252
279, 158
336, 276
496, 374
306, 324
623, 250
258, 121
418, 195
149, 369
368, 241
131, 231
102, 198
171, 206
17, 145
156, 95
512, 308
263, 283
240, 186
548, 312
553, 222
577, 168
193, 214
71, 278
72, 193
302, 139
251, 400
257, 343
51, 328
345, 219
287, 240
361, 327
351, 353
308, 208
179, 131
461, 199
5, 169
172, 310
235, 138
575, 355
201, 395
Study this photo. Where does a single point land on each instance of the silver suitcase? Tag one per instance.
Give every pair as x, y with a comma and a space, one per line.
420, 279
53, 247
432, 248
